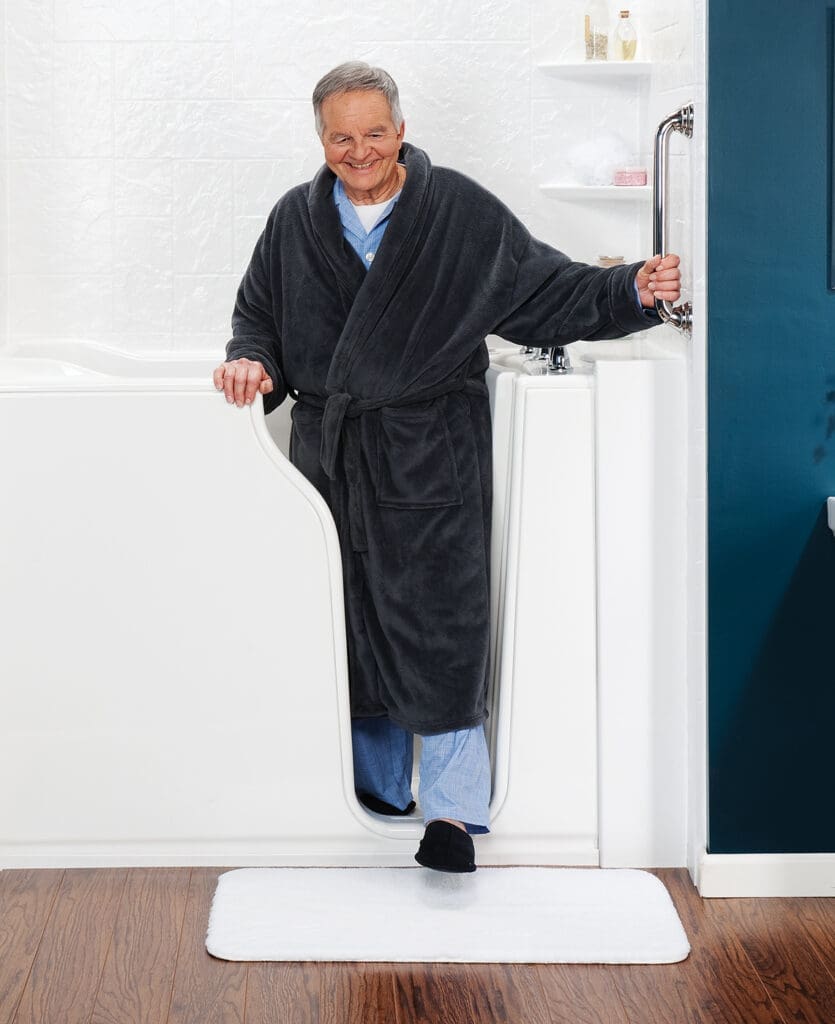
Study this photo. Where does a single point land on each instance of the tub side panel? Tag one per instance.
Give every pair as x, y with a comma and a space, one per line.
173, 656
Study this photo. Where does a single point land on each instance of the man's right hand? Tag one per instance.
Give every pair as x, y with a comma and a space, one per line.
241, 380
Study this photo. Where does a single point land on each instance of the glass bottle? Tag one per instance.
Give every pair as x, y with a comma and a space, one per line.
597, 31
626, 38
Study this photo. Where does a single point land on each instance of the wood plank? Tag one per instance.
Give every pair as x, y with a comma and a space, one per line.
285, 992
26, 900
774, 939
716, 984
357, 993
206, 990
520, 990
68, 967
452, 993
139, 974
818, 918
581, 994
661, 994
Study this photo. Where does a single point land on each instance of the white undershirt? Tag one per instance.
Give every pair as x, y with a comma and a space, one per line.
370, 213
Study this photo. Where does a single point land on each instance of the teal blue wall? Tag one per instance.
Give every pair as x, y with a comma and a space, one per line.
771, 420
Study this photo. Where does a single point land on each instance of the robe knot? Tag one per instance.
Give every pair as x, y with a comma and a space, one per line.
341, 404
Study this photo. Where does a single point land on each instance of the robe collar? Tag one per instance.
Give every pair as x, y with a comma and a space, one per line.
367, 294
327, 227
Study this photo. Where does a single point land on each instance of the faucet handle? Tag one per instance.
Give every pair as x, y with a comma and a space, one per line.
558, 361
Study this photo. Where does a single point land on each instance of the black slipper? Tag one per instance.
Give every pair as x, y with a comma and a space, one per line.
445, 847
374, 803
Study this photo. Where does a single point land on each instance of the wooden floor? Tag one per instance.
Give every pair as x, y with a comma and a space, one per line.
126, 947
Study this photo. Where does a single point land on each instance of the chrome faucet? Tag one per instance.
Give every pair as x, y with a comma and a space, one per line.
558, 361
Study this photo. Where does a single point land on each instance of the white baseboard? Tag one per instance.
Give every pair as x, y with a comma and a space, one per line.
766, 874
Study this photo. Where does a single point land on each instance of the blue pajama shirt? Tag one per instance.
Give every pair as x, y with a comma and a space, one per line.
454, 766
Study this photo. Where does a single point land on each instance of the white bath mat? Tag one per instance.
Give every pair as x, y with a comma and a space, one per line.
497, 915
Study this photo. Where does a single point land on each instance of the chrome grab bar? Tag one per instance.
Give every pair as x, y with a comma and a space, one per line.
680, 317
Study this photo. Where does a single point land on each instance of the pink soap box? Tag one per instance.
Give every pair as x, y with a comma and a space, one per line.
631, 176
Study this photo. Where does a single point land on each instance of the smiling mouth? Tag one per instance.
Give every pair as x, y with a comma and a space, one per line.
362, 167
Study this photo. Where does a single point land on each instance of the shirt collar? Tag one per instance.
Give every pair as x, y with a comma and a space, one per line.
347, 213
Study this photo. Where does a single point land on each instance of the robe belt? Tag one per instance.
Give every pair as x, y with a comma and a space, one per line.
336, 407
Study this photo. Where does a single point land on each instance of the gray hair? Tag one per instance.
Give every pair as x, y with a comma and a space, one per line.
355, 76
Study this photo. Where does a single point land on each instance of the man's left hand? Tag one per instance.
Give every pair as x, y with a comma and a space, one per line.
659, 278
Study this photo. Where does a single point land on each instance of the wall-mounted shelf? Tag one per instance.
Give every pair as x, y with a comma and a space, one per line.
618, 193
599, 69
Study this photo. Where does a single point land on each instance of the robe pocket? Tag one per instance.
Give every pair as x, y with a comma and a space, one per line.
416, 465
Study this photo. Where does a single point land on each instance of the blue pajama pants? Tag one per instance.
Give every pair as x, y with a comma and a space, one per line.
454, 770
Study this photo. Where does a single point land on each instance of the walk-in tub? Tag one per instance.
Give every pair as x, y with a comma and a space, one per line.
173, 660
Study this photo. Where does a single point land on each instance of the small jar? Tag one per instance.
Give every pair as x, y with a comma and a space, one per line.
626, 38
597, 31
630, 176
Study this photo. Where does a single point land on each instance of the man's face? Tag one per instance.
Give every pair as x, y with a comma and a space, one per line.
361, 143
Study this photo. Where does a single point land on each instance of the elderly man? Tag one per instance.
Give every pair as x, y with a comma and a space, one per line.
368, 298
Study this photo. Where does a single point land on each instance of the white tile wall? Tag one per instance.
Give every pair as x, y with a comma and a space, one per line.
143, 188
60, 217
203, 221
148, 139
202, 20
109, 20
29, 58
159, 71
82, 104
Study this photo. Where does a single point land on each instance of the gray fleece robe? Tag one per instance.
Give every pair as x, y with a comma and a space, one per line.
392, 418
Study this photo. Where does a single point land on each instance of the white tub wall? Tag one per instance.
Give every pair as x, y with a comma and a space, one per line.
4, 198
696, 354
641, 683
679, 78
673, 36
148, 141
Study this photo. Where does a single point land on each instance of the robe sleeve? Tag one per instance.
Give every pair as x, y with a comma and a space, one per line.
254, 322
555, 301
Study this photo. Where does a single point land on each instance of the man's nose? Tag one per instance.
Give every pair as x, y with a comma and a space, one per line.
359, 149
